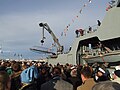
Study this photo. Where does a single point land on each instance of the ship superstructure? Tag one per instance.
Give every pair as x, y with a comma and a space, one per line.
100, 43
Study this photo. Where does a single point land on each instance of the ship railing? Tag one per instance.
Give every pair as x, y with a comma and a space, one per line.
95, 52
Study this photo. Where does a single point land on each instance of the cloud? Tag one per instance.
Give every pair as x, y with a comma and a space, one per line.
22, 29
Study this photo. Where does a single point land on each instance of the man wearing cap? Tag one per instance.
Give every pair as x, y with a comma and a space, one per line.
116, 76
101, 75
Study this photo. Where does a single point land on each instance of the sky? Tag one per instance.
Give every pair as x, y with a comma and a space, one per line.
19, 22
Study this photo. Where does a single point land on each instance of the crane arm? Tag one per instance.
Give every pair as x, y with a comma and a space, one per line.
46, 26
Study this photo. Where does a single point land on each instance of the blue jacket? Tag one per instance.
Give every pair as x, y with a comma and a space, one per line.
29, 75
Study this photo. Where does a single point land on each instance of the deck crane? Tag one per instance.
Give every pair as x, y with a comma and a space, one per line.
55, 39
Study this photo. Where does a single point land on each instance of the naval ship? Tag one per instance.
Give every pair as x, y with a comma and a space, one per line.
100, 43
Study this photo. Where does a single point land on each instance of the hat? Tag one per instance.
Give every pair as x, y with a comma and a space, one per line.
73, 72
117, 68
72, 68
101, 70
117, 73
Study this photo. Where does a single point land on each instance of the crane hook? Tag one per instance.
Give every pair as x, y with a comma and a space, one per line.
42, 41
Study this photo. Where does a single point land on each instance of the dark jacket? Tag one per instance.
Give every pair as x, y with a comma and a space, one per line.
15, 81
57, 84
75, 81
29, 86
103, 78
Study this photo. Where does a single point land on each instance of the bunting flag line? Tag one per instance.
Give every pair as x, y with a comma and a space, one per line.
61, 33
84, 5
76, 17
72, 20
80, 11
50, 48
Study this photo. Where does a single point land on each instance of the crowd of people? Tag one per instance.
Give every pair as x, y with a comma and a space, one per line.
33, 75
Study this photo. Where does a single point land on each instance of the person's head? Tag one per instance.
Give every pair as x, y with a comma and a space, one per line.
56, 71
16, 67
43, 70
106, 85
100, 72
73, 72
86, 73
4, 81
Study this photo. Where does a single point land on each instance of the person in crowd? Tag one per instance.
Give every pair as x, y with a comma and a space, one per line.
88, 82
3, 66
5, 83
77, 33
90, 29
15, 76
98, 22
101, 74
67, 70
29, 77
63, 75
45, 75
81, 31
106, 85
9, 69
116, 76
56, 83
74, 79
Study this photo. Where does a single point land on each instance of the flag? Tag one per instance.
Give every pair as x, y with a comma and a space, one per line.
81, 11
72, 20
84, 5
61, 33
